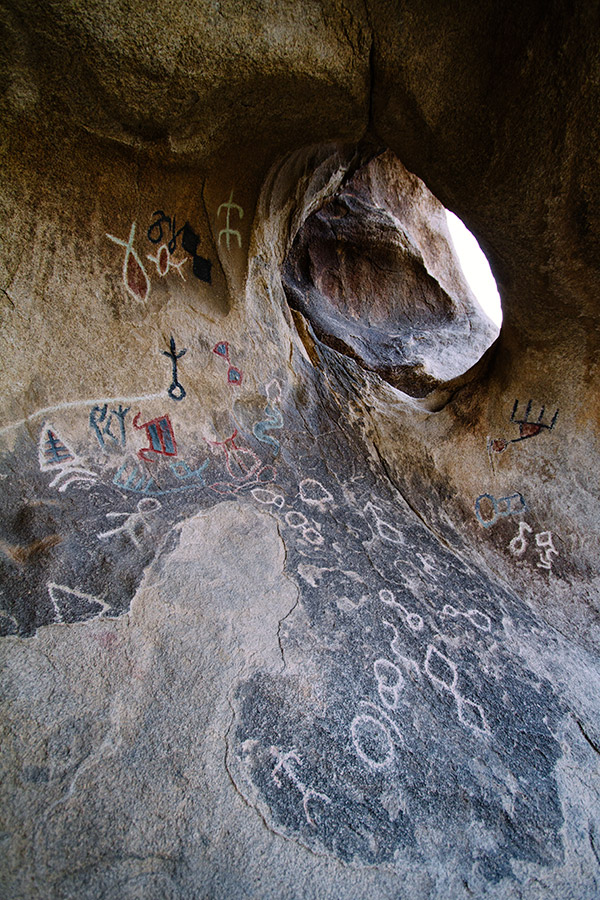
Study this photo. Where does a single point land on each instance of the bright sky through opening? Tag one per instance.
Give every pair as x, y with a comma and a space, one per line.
476, 268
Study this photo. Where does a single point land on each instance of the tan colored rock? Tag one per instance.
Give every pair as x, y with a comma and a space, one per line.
194, 81
272, 626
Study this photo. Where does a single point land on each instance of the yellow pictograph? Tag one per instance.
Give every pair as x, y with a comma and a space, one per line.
228, 231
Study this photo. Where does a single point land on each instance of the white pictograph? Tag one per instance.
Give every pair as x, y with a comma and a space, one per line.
313, 493
479, 620
372, 741
57, 457
315, 575
269, 498
518, 545
411, 666
429, 563
413, 620
471, 715
374, 734
273, 391
64, 598
284, 763
347, 605
134, 522
298, 520
544, 541
443, 673
390, 682
441, 670
414, 578
385, 531
135, 279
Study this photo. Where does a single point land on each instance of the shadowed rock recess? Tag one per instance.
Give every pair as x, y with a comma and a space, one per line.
299, 556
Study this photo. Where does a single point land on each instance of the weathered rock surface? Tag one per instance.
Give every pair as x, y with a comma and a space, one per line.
299, 590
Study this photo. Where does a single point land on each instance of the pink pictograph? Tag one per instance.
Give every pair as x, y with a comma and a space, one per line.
234, 375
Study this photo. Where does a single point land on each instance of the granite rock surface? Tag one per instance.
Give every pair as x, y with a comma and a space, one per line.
299, 557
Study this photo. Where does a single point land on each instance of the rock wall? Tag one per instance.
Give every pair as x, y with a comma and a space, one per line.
299, 558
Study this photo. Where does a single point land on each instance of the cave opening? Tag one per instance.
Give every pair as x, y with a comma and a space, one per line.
476, 268
375, 272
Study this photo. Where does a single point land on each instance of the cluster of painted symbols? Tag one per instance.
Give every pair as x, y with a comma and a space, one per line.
108, 422
112, 425
174, 248
403, 709
82, 556
401, 688
140, 479
489, 509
